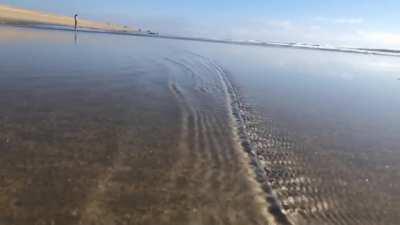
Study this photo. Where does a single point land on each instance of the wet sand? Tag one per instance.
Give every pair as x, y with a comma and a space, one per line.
127, 130
323, 130
149, 142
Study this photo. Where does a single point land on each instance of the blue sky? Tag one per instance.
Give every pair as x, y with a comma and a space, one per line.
364, 23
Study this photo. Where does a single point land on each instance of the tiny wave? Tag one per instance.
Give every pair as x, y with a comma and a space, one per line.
238, 113
239, 124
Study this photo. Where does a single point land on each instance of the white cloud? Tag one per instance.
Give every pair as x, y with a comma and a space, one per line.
381, 38
348, 21
283, 24
341, 34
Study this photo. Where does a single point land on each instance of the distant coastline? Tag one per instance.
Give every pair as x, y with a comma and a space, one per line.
17, 16
22, 17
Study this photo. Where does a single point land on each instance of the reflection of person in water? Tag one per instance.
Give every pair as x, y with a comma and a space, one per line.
76, 38
76, 21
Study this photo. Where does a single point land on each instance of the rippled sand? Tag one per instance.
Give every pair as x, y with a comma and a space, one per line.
155, 145
94, 132
307, 186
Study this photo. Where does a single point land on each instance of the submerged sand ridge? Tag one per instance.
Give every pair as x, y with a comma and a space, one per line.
142, 131
208, 182
12, 15
146, 142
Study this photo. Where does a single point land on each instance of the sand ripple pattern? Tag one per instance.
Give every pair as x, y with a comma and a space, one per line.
298, 191
210, 181
294, 181
211, 167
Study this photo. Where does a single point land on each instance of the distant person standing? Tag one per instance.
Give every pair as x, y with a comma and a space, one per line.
76, 21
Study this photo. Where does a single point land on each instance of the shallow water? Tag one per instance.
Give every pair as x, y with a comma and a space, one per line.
117, 130
327, 127
111, 129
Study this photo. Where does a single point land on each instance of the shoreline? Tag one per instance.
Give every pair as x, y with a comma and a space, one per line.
17, 16
361, 51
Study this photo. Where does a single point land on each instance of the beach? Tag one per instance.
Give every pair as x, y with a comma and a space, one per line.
99, 128
120, 137
17, 16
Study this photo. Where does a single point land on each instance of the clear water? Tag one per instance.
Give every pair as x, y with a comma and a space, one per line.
333, 120
111, 129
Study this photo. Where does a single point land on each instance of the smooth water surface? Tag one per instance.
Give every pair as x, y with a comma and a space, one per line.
112, 129
334, 123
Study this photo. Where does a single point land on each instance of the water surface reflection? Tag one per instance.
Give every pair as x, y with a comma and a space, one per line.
135, 130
